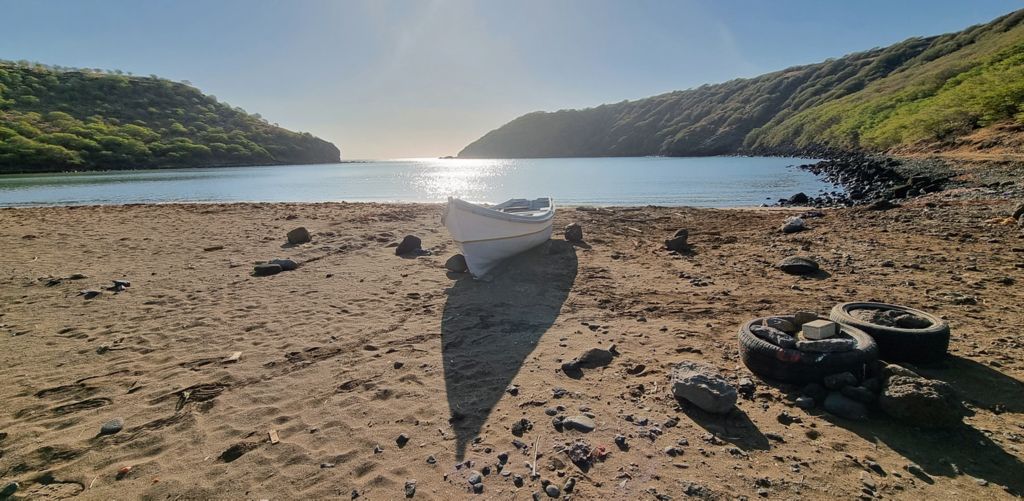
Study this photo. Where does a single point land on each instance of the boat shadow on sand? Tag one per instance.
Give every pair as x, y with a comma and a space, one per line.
488, 328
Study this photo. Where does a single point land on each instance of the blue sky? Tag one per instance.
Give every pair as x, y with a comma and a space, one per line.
409, 78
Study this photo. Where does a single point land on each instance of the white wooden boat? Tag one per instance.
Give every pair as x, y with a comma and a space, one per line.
488, 234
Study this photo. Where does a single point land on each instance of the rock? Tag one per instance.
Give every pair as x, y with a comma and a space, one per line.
553, 491
830, 345
882, 205
522, 426
89, 293
746, 388
410, 244
503, 457
781, 324
475, 478
858, 393
793, 225
595, 357
298, 236
798, 199
9, 489
802, 317
570, 484
797, 265
266, 269
402, 440
773, 336
456, 264
579, 423
410, 488
836, 403
111, 427
1018, 211
703, 386
926, 403
517, 480
804, 402
837, 381
891, 370
678, 241
815, 391
574, 233
285, 264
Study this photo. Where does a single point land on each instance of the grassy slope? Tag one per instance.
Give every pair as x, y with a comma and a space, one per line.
59, 120
931, 90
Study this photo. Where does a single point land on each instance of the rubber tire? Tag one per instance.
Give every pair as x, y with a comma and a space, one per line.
896, 344
794, 366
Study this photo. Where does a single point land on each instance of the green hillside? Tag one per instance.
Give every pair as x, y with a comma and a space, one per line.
54, 119
923, 91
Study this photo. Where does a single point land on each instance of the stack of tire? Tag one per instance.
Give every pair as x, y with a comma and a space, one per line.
873, 342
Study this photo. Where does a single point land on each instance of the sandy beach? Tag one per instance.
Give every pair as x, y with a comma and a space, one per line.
357, 347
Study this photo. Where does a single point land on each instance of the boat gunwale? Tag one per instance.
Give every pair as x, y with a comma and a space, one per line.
545, 216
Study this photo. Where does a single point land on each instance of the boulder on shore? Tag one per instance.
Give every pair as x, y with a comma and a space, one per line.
409, 245
266, 269
457, 264
703, 386
678, 242
926, 403
574, 233
797, 265
298, 236
793, 225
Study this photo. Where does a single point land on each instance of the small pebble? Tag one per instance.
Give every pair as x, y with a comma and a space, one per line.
111, 427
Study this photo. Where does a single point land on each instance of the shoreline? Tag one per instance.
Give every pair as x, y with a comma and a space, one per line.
357, 347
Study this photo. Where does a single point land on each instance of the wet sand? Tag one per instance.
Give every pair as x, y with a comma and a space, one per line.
358, 346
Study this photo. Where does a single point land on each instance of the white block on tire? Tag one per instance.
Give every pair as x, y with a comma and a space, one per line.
819, 329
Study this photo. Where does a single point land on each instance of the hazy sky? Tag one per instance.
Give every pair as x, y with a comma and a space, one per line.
414, 78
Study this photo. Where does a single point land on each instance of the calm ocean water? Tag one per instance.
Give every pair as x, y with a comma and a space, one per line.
705, 182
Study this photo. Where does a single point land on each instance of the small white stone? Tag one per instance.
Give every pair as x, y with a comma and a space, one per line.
819, 329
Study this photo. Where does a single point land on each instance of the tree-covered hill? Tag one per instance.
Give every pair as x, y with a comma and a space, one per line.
920, 93
55, 119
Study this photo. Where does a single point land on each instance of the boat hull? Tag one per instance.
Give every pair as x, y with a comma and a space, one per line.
486, 239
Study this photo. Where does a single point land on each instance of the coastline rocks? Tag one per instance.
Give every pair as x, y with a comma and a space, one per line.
266, 269
574, 233
773, 336
794, 225
409, 245
285, 264
797, 265
298, 236
927, 403
678, 242
798, 199
457, 264
703, 386
836, 403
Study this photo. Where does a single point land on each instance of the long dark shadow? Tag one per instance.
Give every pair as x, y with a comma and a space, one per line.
489, 328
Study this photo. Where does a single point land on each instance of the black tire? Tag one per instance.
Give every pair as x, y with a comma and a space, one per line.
794, 366
897, 344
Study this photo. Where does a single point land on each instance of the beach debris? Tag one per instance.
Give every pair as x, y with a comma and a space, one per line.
678, 242
266, 269
285, 264
819, 329
232, 358
574, 232
402, 440
274, 437
213, 248
298, 236
111, 427
702, 385
457, 264
773, 336
794, 224
410, 244
89, 293
8, 490
580, 422
798, 265
836, 403
410, 488
890, 318
927, 403
123, 472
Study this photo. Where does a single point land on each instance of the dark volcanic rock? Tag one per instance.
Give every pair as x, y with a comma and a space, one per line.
111, 427
457, 264
678, 242
574, 233
298, 236
285, 264
798, 199
703, 386
797, 265
410, 244
262, 270
836, 403
927, 403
